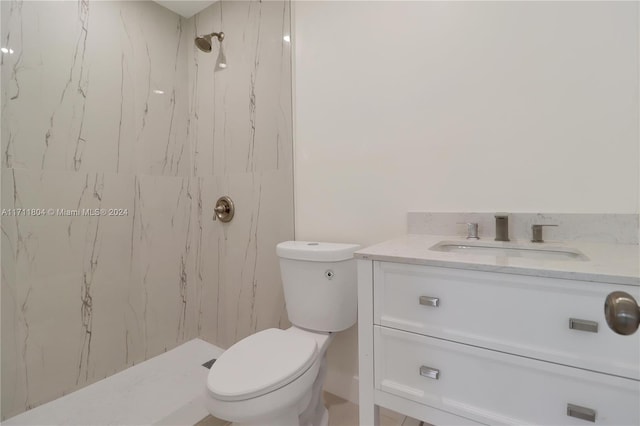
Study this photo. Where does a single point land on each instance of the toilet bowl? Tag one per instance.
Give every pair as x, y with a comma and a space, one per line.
275, 377
268, 378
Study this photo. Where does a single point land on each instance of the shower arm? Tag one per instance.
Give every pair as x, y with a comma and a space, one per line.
219, 36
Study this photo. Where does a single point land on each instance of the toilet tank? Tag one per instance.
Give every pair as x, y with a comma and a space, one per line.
320, 284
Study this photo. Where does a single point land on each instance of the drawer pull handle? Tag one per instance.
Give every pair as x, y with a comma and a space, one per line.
582, 413
583, 325
430, 301
429, 372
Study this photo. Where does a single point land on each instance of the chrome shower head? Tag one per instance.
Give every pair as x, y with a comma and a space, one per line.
204, 42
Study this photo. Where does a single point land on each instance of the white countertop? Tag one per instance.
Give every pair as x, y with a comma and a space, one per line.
611, 263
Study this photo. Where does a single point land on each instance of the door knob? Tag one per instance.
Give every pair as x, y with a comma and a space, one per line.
224, 209
622, 313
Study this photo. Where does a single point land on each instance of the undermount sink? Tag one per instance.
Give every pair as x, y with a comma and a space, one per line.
527, 252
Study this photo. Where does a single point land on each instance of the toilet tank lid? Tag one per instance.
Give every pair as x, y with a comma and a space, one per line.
316, 251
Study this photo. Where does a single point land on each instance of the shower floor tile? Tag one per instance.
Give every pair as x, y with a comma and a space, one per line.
167, 389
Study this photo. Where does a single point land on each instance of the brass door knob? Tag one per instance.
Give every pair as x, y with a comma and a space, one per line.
224, 209
622, 313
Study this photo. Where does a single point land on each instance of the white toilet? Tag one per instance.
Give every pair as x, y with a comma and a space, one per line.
275, 377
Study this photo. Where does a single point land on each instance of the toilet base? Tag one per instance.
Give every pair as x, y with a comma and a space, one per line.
315, 410
289, 418
325, 418
305, 410
311, 409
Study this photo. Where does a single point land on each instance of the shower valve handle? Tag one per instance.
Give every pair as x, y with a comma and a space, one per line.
224, 209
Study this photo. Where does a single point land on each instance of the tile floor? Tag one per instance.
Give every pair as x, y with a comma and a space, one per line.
341, 413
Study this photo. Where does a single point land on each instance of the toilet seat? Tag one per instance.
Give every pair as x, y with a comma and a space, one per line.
261, 363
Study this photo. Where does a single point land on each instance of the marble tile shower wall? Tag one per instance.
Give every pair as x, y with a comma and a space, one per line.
246, 111
108, 105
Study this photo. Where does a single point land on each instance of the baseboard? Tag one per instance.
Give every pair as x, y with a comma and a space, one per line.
342, 385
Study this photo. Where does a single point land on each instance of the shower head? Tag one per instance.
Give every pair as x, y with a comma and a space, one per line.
204, 42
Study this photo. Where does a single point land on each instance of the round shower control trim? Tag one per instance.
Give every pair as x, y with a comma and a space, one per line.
224, 209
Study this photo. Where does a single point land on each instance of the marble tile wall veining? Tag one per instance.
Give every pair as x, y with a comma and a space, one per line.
90, 295
245, 110
237, 272
605, 228
94, 86
109, 105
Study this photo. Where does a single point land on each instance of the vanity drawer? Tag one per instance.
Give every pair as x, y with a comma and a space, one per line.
497, 388
524, 315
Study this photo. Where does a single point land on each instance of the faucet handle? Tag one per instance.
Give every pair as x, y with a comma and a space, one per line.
536, 233
502, 226
472, 230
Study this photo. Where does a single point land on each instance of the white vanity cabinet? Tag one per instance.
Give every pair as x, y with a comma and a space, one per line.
453, 346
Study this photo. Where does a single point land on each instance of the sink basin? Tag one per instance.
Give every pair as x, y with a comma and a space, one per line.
527, 252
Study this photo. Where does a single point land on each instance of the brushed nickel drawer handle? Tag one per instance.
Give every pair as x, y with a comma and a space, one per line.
583, 325
430, 301
429, 372
582, 413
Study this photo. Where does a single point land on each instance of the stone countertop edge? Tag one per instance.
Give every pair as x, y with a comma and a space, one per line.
608, 263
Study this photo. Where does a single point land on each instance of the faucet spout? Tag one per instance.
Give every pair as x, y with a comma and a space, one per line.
502, 227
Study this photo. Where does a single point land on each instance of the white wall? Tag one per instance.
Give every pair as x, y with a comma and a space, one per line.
462, 107
507, 106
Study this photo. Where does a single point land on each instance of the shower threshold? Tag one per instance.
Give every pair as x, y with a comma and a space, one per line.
165, 390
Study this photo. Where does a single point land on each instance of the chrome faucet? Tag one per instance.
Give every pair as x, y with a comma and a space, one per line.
536, 233
502, 227
472, 230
